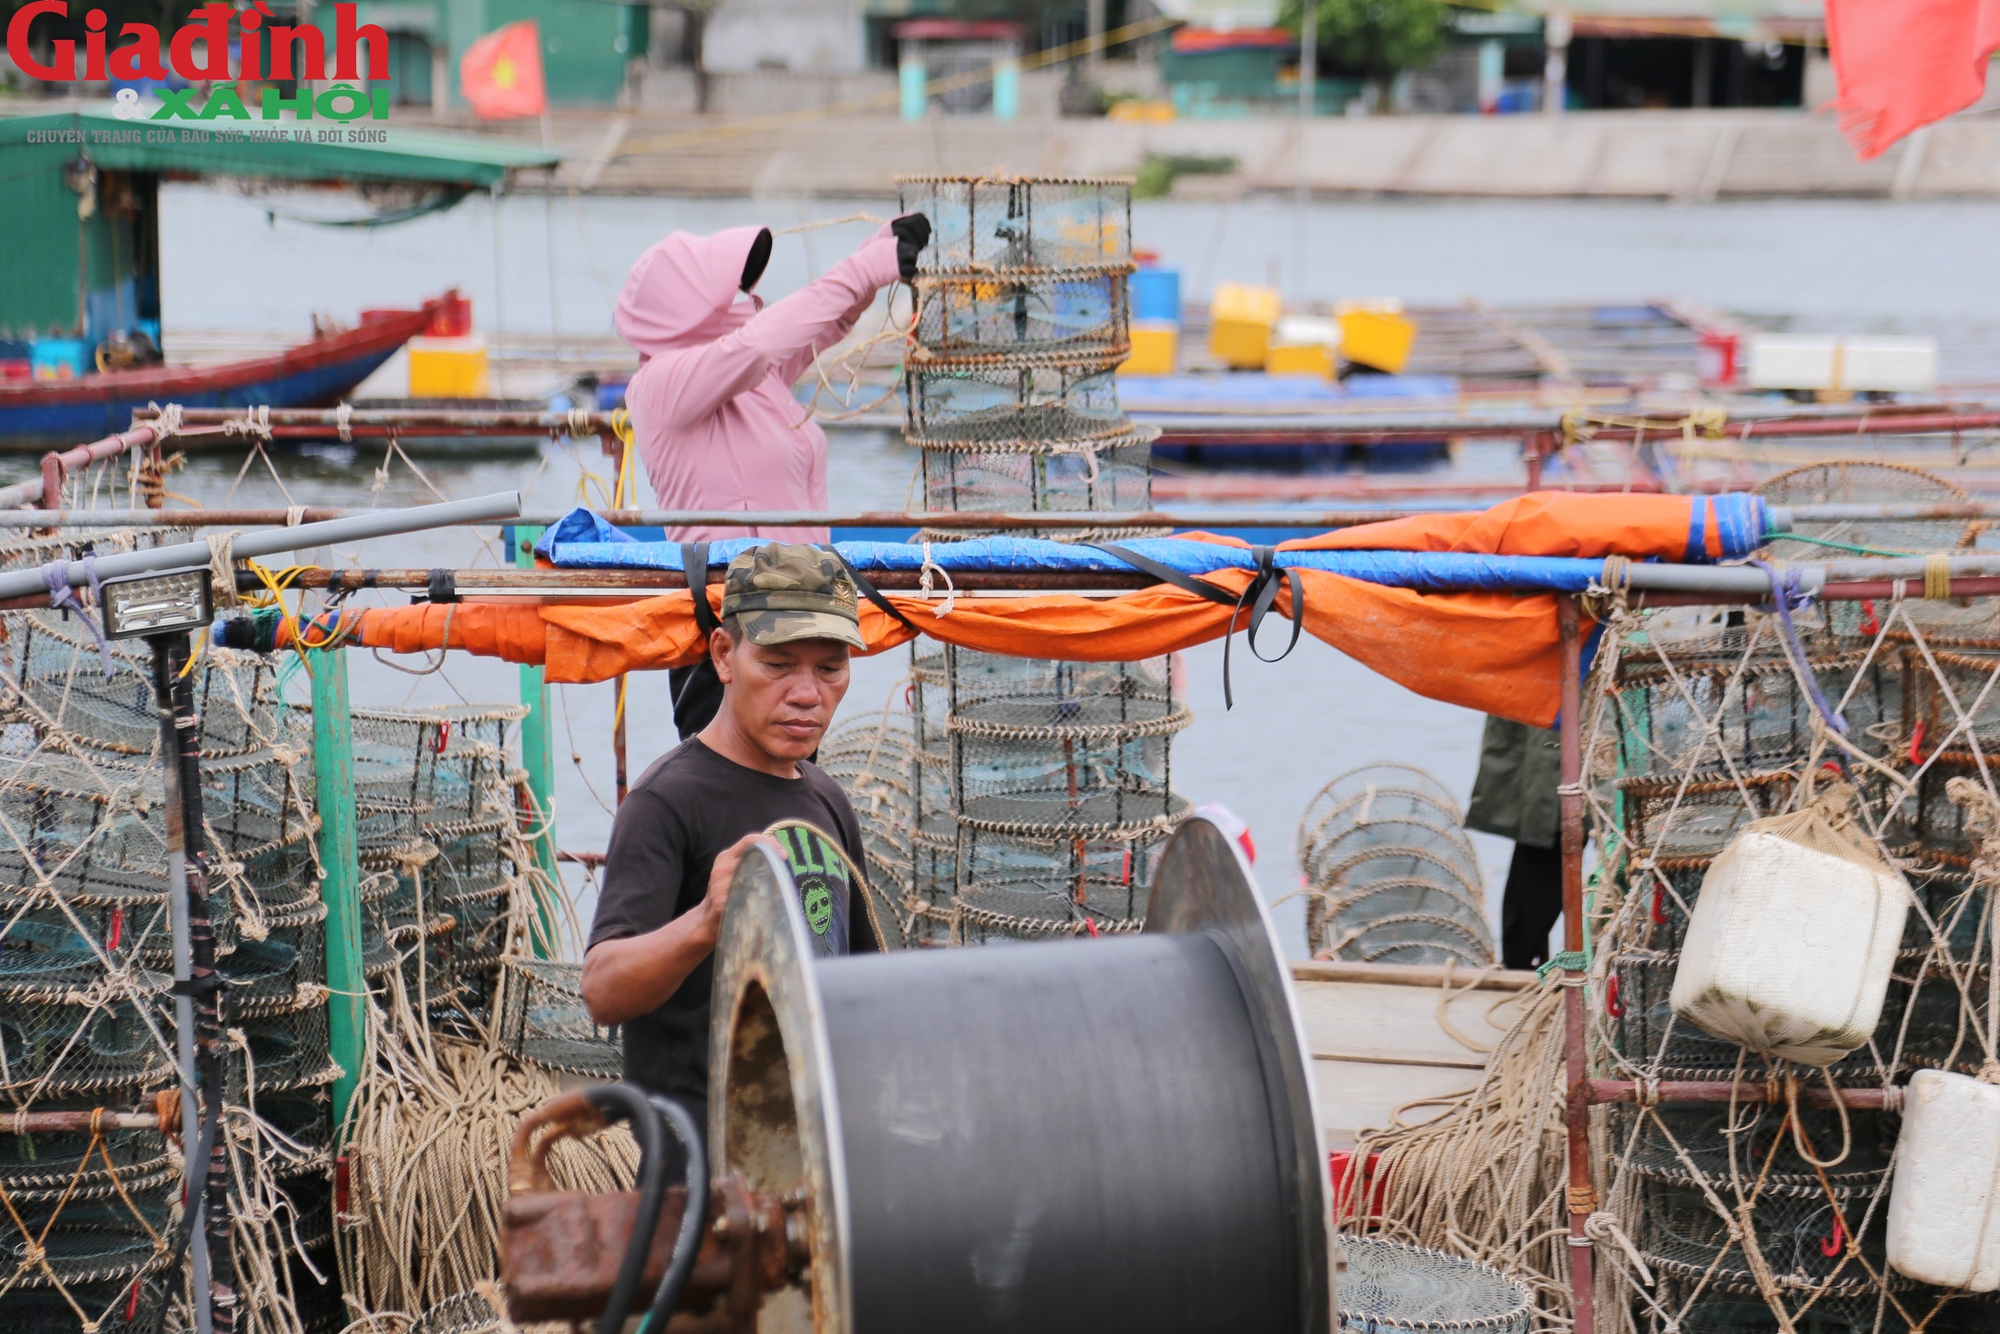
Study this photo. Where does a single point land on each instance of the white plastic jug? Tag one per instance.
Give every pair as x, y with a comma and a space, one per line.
1792, 939
1944, 1206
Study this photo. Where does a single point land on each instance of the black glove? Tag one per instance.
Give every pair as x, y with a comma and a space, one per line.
913, 233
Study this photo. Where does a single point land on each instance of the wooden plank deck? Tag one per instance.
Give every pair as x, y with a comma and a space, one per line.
1379, 1036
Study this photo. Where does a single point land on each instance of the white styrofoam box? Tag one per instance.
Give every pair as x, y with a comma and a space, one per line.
1944, 1206
1307, 331
1789, 949
1839, 362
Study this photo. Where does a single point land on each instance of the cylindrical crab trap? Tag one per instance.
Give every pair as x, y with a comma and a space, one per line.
1056, 1136
1392, 877
1389, 1286
1011, 223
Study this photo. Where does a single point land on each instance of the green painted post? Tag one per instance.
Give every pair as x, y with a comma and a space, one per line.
333, 779
537, 747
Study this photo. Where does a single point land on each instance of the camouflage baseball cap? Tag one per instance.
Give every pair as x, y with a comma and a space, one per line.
783, 592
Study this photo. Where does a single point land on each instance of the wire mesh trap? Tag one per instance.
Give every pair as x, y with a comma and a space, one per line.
1391, 875
1697, 723
467, 1313
544, 1021
981, 223
1861, 483
1066, 475
1389, 1285
1048, 315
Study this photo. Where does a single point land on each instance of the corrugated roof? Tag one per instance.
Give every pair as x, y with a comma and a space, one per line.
260, 148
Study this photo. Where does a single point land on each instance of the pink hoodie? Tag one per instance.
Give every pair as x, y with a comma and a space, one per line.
711, 405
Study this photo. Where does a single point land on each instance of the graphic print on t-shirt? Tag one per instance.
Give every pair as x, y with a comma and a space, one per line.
820, 871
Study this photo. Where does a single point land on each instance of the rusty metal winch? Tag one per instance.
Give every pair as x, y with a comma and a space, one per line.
1077, 1135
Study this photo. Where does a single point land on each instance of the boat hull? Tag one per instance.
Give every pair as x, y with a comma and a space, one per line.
316, 374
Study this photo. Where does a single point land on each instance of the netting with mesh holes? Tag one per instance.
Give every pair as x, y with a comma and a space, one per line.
1006, 223
1389, 872
1011, 798
1390, 1285
1054, 316
544, 1021
86, 953
1695, 723
1087, 473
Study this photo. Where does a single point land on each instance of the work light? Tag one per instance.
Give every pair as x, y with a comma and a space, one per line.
162, 603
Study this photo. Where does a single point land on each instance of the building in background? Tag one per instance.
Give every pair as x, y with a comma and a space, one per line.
588, 46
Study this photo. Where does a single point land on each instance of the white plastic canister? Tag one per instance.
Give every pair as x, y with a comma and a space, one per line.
1944, 1206
1791, 940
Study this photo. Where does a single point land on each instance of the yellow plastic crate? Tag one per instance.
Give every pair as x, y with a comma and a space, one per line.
448, 368
1240, 319
1300, 359
1156, 348
1378, 339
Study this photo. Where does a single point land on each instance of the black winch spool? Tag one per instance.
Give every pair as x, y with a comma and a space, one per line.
1067, 1136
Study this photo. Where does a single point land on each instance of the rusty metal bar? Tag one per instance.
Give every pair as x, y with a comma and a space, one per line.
1665, 1092
56, 466
163, 1116
1307, 519
1581, 1194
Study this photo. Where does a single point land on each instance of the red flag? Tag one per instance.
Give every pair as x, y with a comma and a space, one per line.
1902, 64
501, 73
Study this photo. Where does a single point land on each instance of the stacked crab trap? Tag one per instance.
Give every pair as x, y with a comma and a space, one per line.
1796, 832
1391, 875
86, 964
1033, 795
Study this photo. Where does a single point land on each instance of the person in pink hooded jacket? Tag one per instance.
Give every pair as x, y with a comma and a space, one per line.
713, 414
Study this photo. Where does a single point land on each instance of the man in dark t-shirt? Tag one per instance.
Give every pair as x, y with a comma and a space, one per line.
788, 623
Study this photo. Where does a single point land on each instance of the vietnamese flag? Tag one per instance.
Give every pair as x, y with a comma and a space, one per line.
501, 73
1903, 64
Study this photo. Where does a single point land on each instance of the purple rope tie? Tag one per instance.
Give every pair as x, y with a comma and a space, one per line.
55, 576
1786, 593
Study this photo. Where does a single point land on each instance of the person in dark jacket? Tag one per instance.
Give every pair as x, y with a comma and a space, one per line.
1520, 768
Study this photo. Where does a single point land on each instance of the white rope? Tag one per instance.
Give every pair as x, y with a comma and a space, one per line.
924, 583
222, 568
343, 421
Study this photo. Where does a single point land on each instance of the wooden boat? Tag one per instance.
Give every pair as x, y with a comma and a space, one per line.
315, 374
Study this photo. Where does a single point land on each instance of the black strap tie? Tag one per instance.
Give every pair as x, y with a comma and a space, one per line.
1261, 594
694, 564
868, 590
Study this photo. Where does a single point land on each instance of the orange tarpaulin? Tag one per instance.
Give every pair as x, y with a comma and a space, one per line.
1494, 652
1541, 523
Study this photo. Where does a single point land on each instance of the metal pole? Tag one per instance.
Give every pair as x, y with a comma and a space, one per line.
180, 741
538, 756
1581, 1195
386, 523
339, 859
1308, 107
184, 1021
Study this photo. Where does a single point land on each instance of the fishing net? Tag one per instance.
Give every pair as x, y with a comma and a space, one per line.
981, 223
1091, 473
1696, 723
1389, 1285
1046, 316
545, 1022
1391, 876
1012, 407
875, 764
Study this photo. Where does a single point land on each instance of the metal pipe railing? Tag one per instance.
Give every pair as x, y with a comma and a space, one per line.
58, 465
267, 542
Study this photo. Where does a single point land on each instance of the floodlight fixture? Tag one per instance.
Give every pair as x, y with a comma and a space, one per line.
162, 603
